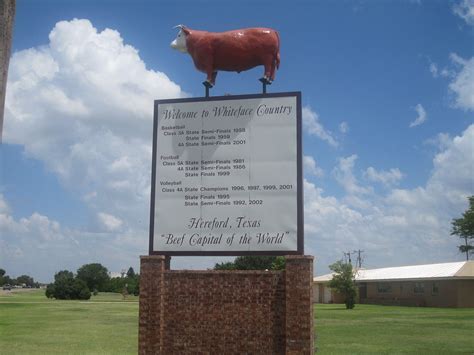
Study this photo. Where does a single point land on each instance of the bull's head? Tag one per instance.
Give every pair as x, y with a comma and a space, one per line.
180, 41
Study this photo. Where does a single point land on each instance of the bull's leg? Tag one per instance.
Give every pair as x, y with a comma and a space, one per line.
268, 69
267, 76
214, 76
211, 77
272, 70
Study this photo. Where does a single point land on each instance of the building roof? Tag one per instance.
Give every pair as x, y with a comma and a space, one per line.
323, 278
462, 269
116, 274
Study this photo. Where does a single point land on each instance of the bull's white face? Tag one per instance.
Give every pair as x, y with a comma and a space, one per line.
180, 42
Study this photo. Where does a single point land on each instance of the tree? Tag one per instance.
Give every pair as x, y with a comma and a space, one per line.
279, 263
228, 265
130, 272
133, 285
343, 282
116, 284
253, 263
464, 228
25, 279
67, 287
63, 275
130, 282
61, 288
94, 275
4, 279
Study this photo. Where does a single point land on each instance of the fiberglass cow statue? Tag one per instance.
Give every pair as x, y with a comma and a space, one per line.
236, 50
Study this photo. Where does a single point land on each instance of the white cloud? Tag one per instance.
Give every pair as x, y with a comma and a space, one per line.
403, 227
437, 72
309, 165
465, 10
344, 127
28, 241
441, 141
83, 105
4, 208
446, 73
421, 118
109, 222
387, 178
39, 246
454, 167
313, 126
461, 74
463, 82
434, 70
344, 175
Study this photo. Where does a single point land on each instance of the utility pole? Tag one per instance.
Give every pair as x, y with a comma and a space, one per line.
348, 254
7, 15
359, 258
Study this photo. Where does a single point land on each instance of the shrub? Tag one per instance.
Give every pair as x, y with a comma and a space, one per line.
50, 291
80, 291
343, 282
66, 287
253, 262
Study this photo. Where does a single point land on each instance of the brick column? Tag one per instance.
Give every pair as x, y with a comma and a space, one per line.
299, 307
150, 327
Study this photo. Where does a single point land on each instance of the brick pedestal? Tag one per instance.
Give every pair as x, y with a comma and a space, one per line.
150, 326
299, 307
225, 312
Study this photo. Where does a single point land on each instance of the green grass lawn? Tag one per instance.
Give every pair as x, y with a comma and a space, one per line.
388, 330
32, 324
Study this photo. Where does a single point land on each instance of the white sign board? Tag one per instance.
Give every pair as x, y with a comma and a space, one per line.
227, 176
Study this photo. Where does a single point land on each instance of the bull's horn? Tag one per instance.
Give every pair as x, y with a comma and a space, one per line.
179, 26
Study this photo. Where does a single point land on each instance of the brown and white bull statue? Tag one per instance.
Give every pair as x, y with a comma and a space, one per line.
236, 50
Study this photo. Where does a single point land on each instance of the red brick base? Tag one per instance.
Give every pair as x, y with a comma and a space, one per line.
226, 312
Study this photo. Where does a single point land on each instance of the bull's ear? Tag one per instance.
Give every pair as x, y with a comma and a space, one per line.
185, 30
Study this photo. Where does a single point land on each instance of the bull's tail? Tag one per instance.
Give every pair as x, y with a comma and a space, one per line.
277, 56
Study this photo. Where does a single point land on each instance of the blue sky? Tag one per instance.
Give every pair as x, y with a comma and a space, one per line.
388, 95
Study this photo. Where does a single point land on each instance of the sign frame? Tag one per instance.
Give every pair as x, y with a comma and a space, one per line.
299, 177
